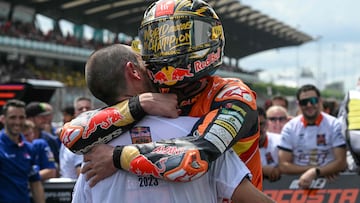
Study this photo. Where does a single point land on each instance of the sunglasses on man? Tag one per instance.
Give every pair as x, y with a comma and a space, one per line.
274, 119
312, 100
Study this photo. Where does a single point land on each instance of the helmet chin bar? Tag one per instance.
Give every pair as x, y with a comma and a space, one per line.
189, 91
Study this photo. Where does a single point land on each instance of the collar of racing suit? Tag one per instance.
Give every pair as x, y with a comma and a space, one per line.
188, 94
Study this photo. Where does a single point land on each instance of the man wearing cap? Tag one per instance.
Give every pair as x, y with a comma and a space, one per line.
37, 112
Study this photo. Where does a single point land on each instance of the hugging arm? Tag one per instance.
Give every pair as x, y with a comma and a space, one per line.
182, 159
102, 125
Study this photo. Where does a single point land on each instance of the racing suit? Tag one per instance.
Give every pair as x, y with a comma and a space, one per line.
227, 108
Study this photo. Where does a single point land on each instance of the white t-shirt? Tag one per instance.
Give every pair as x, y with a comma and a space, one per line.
69, 161
222, 178
312, 145
269, 154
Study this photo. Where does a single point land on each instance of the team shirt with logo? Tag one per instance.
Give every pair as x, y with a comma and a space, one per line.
269, 152
17, 169
221, 180
312, 145
44, 156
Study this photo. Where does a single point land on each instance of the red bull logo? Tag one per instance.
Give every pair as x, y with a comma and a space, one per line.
103, 119
170, 75
210, 59
144, 167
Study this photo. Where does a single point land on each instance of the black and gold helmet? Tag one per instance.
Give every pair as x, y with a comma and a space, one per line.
182, 41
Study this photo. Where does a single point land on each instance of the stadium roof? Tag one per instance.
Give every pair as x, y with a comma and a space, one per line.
247, 30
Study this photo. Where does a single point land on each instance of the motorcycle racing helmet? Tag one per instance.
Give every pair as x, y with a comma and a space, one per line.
181, 41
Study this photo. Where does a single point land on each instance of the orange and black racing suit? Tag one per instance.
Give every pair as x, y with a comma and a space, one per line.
227, 108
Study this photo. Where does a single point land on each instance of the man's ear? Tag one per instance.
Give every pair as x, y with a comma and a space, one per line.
132, 70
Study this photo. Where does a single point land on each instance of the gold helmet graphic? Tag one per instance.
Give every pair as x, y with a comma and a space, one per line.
181, 41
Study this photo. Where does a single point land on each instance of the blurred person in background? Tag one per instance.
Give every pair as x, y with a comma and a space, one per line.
276, 117
312, 143
267, 104
68, 113
37, 112
82, 104
349, 115
331, 106
18, 169
49, 127
43, 154
280, 101
268, 150
70, 163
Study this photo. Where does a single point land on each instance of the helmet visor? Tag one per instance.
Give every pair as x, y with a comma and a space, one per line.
177, 35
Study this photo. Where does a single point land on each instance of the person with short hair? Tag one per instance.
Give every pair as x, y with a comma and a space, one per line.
49, 127
68, 113
227, 106
276, 117
331, 106
280, 100
222, 179
70, 163
44, 156
312, 143
268, 149
82, 104
37, 112
18, 169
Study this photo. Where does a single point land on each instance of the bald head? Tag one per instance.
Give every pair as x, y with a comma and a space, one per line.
104, 71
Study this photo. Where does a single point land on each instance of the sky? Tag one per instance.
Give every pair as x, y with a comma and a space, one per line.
333, 57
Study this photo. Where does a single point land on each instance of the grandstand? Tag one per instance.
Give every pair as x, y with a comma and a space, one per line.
26, 51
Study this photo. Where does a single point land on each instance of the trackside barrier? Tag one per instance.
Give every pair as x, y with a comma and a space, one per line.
59, 190
345, 189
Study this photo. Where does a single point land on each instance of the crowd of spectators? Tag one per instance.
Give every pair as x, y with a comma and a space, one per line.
29, 31
310, 143
30, 70
22, 68
30, 127
13, 70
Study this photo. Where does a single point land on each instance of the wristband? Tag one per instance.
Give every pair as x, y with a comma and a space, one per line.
117, 156
137, 112
317, 170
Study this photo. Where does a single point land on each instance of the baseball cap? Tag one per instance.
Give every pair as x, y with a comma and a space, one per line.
36, 109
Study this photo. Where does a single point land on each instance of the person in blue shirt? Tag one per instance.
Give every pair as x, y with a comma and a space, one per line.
17, 160
44, 156
37, 112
